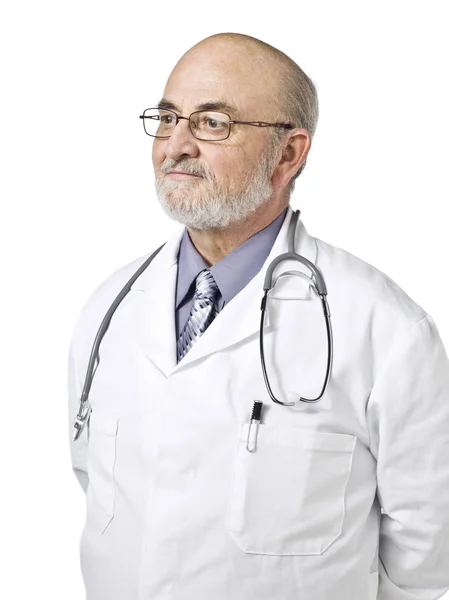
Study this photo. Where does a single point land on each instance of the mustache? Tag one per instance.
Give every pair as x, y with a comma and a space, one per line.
187, 166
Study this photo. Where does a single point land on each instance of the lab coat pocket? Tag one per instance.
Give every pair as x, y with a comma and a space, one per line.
100, 498
288, 497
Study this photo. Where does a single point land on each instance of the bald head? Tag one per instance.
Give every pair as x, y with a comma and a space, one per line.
252, 58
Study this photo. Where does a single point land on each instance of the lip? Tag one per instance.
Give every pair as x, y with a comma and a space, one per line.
182, 175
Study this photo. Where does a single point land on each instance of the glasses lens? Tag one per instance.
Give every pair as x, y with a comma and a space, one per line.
159, 122
206, 125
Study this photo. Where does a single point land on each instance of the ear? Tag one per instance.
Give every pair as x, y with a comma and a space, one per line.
295, 148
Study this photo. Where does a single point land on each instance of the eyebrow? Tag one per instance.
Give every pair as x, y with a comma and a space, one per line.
218, 105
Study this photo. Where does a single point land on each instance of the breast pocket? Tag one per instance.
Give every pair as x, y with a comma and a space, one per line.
288, 497
100, 497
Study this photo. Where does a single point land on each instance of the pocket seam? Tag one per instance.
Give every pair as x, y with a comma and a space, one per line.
97, 517
333, 442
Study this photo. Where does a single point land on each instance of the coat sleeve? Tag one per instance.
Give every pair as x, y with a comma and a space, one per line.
78, 449
408, 415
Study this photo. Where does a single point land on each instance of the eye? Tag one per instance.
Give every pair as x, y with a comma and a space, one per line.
212, 123
167, 119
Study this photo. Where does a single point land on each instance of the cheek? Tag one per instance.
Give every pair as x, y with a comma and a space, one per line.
230, 166
238, 170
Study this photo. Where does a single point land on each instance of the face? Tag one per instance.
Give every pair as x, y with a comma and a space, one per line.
206, 184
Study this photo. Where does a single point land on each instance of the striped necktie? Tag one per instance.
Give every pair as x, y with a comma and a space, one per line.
203, 312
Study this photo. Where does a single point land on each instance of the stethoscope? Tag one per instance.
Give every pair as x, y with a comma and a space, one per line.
318, 286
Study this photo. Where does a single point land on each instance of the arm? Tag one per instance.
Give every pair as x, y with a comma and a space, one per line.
408, 414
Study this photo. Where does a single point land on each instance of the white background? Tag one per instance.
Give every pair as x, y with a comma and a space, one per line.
77, 198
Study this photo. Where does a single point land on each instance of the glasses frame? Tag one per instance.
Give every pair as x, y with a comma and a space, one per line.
231, 122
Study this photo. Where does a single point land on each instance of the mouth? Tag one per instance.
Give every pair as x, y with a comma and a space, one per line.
182, 175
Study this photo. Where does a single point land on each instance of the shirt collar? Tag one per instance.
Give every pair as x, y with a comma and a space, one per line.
235, 270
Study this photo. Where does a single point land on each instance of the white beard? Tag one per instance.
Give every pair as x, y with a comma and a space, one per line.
219, 205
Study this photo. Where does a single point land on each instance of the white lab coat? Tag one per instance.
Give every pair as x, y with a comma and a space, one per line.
178, 509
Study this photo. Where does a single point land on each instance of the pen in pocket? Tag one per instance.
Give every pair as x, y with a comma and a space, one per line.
251, 442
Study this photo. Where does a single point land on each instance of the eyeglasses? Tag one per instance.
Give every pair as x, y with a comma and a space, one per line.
205, 125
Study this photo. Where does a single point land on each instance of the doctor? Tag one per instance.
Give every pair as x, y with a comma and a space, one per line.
343, 499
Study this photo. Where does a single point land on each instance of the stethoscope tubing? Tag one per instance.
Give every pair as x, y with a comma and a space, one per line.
319, 287
329, 355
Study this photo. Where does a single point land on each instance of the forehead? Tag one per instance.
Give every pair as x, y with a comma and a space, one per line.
220, 74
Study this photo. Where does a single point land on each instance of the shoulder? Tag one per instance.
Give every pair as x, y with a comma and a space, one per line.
360, 290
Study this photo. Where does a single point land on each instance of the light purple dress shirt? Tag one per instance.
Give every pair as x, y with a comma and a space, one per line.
231, 273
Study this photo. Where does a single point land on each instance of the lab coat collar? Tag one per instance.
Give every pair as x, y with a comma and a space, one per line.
237, 321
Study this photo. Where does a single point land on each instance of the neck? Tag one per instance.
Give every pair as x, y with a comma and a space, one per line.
214, 244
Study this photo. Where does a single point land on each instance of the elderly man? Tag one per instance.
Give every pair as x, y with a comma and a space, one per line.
319, 473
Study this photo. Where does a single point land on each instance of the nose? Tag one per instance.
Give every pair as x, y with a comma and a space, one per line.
181, 142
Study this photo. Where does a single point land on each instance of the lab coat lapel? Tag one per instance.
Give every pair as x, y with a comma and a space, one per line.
237, 321
155, 312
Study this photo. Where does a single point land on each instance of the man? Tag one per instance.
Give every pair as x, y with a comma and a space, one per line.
345, 498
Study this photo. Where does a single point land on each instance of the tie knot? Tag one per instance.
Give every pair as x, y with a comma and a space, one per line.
206, 286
